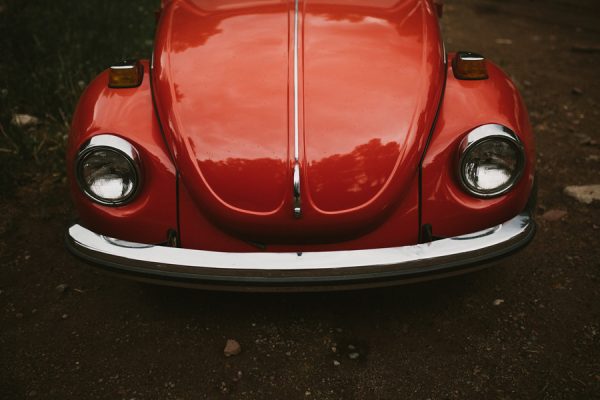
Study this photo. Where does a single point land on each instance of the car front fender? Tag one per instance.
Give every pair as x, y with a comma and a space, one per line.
445, 205
129, 114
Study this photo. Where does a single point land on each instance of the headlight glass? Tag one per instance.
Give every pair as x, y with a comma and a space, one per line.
491, 164
108, 170
108, 175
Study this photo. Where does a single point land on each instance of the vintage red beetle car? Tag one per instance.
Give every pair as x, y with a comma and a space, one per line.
300, 144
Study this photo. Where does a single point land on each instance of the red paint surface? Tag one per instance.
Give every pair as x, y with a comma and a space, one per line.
397, 229
371, 74
467, 105
127, 113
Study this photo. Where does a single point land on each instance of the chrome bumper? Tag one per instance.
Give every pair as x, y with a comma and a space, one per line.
304, 271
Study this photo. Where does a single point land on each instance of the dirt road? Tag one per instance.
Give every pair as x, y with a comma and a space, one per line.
527, 329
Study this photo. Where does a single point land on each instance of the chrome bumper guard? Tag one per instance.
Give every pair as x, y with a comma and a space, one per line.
244, 271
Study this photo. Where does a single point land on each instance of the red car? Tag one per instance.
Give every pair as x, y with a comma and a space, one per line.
300, 144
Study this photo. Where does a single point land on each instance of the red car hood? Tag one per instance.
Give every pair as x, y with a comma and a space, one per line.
370, 74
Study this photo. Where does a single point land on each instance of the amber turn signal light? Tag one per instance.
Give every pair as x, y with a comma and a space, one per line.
128, 74
469, 66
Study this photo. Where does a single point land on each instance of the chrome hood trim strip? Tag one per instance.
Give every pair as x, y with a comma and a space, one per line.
296, 175
296, 84
297, 192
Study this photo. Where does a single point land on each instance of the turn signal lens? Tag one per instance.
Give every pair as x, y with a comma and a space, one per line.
469, 66
128, 74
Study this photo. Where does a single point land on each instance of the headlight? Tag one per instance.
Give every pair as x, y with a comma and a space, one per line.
491, 161
108, 170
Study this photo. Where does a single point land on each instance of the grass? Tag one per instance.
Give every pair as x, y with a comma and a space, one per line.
50, 51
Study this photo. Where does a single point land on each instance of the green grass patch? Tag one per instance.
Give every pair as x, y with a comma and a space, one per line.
50, 51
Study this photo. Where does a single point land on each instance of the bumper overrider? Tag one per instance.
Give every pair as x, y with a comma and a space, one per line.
263, 271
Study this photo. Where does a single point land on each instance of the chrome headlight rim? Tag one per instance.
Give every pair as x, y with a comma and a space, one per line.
115, 144
481, 135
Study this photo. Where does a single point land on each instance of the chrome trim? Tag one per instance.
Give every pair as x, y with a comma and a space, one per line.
468, 56
296, 176
125, 243
118, 145
296, 86
441, 255
297, 192
483, 134
125, 66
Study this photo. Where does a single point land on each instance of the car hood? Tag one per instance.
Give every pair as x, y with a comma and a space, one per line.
369, 80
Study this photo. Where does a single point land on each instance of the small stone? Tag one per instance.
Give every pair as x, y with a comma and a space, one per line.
23, 120
586, 140
238, 376
351, 347
554, 215
224, 388
63, 287
232, 348
498, 302
353, 356
586, 194
527, 83
336, 363
593, 157
577, 91
65, 316
504, 41
334, 349
307, 393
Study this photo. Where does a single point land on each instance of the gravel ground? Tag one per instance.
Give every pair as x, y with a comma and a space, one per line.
528, 328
